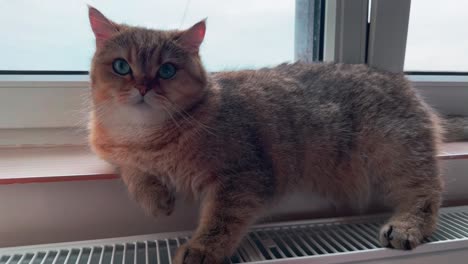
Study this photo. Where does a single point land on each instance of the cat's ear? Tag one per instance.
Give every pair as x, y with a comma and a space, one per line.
192, 38
102, 27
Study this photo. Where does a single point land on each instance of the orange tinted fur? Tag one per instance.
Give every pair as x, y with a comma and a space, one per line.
239, 141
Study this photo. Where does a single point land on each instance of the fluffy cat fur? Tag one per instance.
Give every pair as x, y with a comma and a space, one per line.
239, 141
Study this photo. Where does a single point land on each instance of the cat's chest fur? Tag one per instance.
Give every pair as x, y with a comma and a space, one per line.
175, 158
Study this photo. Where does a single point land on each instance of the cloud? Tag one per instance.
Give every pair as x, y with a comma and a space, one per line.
55, 34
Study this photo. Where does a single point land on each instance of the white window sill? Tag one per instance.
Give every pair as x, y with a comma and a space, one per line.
78, 163
454, 150
50, 164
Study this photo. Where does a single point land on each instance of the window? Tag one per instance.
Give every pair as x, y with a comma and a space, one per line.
437, 36
54, 35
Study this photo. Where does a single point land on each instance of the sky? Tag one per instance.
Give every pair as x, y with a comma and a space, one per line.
55, 34
437, 36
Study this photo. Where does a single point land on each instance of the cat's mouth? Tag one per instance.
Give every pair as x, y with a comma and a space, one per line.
137, 102
141, 101
146, 101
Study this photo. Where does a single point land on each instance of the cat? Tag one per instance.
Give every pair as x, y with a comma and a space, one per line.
239, 141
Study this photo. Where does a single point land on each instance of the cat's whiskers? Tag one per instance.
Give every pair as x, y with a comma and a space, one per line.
190, 118
102, 108
167, 103
198, 135
190, 121
171, 116
195, 120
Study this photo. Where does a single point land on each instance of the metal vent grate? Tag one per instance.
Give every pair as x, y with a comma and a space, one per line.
287, 242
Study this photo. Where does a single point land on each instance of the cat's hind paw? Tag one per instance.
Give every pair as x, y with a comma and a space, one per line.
189, 255
400, 236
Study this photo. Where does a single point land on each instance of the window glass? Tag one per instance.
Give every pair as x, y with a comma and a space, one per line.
55, 34
437, 36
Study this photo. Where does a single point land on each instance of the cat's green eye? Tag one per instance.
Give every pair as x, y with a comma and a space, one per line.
121, 67
167, 71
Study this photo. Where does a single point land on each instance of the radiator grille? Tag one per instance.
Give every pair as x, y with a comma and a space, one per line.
263, 243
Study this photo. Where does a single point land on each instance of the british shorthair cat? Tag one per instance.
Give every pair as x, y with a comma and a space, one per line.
241, 140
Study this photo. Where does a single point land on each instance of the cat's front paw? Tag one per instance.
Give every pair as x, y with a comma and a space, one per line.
190, 255
166, 204
161, 204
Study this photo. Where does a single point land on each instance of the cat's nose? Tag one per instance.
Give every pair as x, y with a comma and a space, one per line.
143, 89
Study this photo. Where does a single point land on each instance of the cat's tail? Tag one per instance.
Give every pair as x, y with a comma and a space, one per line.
455, 128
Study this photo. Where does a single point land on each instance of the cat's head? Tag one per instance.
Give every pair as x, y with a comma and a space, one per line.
142, 76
